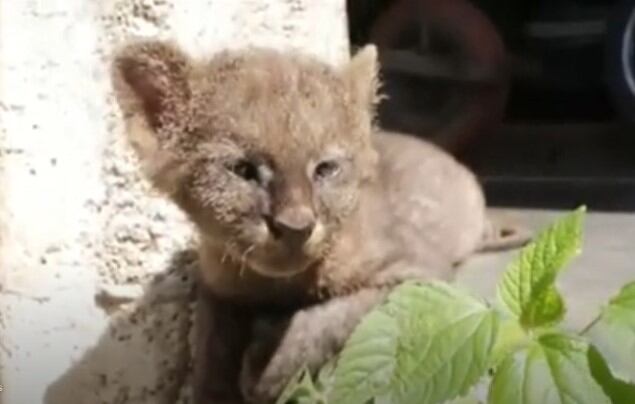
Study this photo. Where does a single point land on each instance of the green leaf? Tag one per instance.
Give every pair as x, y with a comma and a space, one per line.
614, 333
300, 389
511, 337
368, 360
618, 391
326, 376
436, 345
545, 309
527, 288
445, 343
464, 400
554, 370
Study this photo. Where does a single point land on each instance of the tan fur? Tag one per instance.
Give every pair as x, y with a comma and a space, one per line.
275, 158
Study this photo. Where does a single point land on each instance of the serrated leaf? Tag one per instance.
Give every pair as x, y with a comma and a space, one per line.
614, 333
511, 337
553, 370
326, 376
464, 400
445, 343
546, 308
300, 389
527, 287
436, 345
620, 392
367, 362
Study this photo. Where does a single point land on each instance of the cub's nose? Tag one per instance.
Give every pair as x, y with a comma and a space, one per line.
293, 225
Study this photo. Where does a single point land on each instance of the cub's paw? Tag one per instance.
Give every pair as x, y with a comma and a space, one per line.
261, 381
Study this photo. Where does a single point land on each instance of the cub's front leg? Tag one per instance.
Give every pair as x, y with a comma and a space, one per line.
309, 337
223, 332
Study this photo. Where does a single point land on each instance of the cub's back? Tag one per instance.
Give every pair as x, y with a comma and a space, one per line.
432, 195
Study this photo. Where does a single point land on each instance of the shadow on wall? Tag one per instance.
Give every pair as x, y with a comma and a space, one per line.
139, 364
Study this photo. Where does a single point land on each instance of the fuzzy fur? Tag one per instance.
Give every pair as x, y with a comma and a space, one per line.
307, 213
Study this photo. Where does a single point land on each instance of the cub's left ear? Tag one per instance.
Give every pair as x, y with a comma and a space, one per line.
151, 81
151, 77
362, 76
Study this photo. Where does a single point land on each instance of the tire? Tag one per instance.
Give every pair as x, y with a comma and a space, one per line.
620, 59
476, 43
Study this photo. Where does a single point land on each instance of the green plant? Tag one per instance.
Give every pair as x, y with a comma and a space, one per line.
434, 343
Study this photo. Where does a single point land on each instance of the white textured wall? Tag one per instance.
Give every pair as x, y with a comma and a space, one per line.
76, 218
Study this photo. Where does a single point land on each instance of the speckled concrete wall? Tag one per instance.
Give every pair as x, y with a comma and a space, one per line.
88, 253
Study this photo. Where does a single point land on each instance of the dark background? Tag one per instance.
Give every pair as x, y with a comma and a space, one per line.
566, 135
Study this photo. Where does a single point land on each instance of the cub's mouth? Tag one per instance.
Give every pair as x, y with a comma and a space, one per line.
280, 271
281, 258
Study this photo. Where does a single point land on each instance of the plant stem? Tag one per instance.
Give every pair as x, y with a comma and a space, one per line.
591, 324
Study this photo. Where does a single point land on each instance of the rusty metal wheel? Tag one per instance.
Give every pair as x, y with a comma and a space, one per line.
620, 59
445, 70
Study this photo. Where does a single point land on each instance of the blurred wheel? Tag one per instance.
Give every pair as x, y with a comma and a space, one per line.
620, 58
450, 114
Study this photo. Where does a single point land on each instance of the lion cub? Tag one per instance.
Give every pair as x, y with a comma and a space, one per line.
307, 214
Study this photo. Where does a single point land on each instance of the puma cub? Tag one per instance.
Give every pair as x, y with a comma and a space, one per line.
307, 213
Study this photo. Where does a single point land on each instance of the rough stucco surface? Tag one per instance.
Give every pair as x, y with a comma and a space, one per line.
86, 248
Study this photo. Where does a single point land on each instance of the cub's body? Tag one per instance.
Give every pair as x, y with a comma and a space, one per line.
307, 213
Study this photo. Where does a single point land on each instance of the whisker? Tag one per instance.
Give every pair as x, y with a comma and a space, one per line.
243, 258
226, 246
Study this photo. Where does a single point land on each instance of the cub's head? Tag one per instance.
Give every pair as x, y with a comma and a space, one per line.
267, 152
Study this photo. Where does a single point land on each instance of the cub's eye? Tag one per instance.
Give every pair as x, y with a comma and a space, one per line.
326, 169
245, 170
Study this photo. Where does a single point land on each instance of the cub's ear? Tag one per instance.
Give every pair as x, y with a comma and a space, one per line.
362, 76
151, 77
151, 84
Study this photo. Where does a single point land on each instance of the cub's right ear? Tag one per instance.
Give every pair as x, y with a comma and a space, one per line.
151, 78
151, 84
